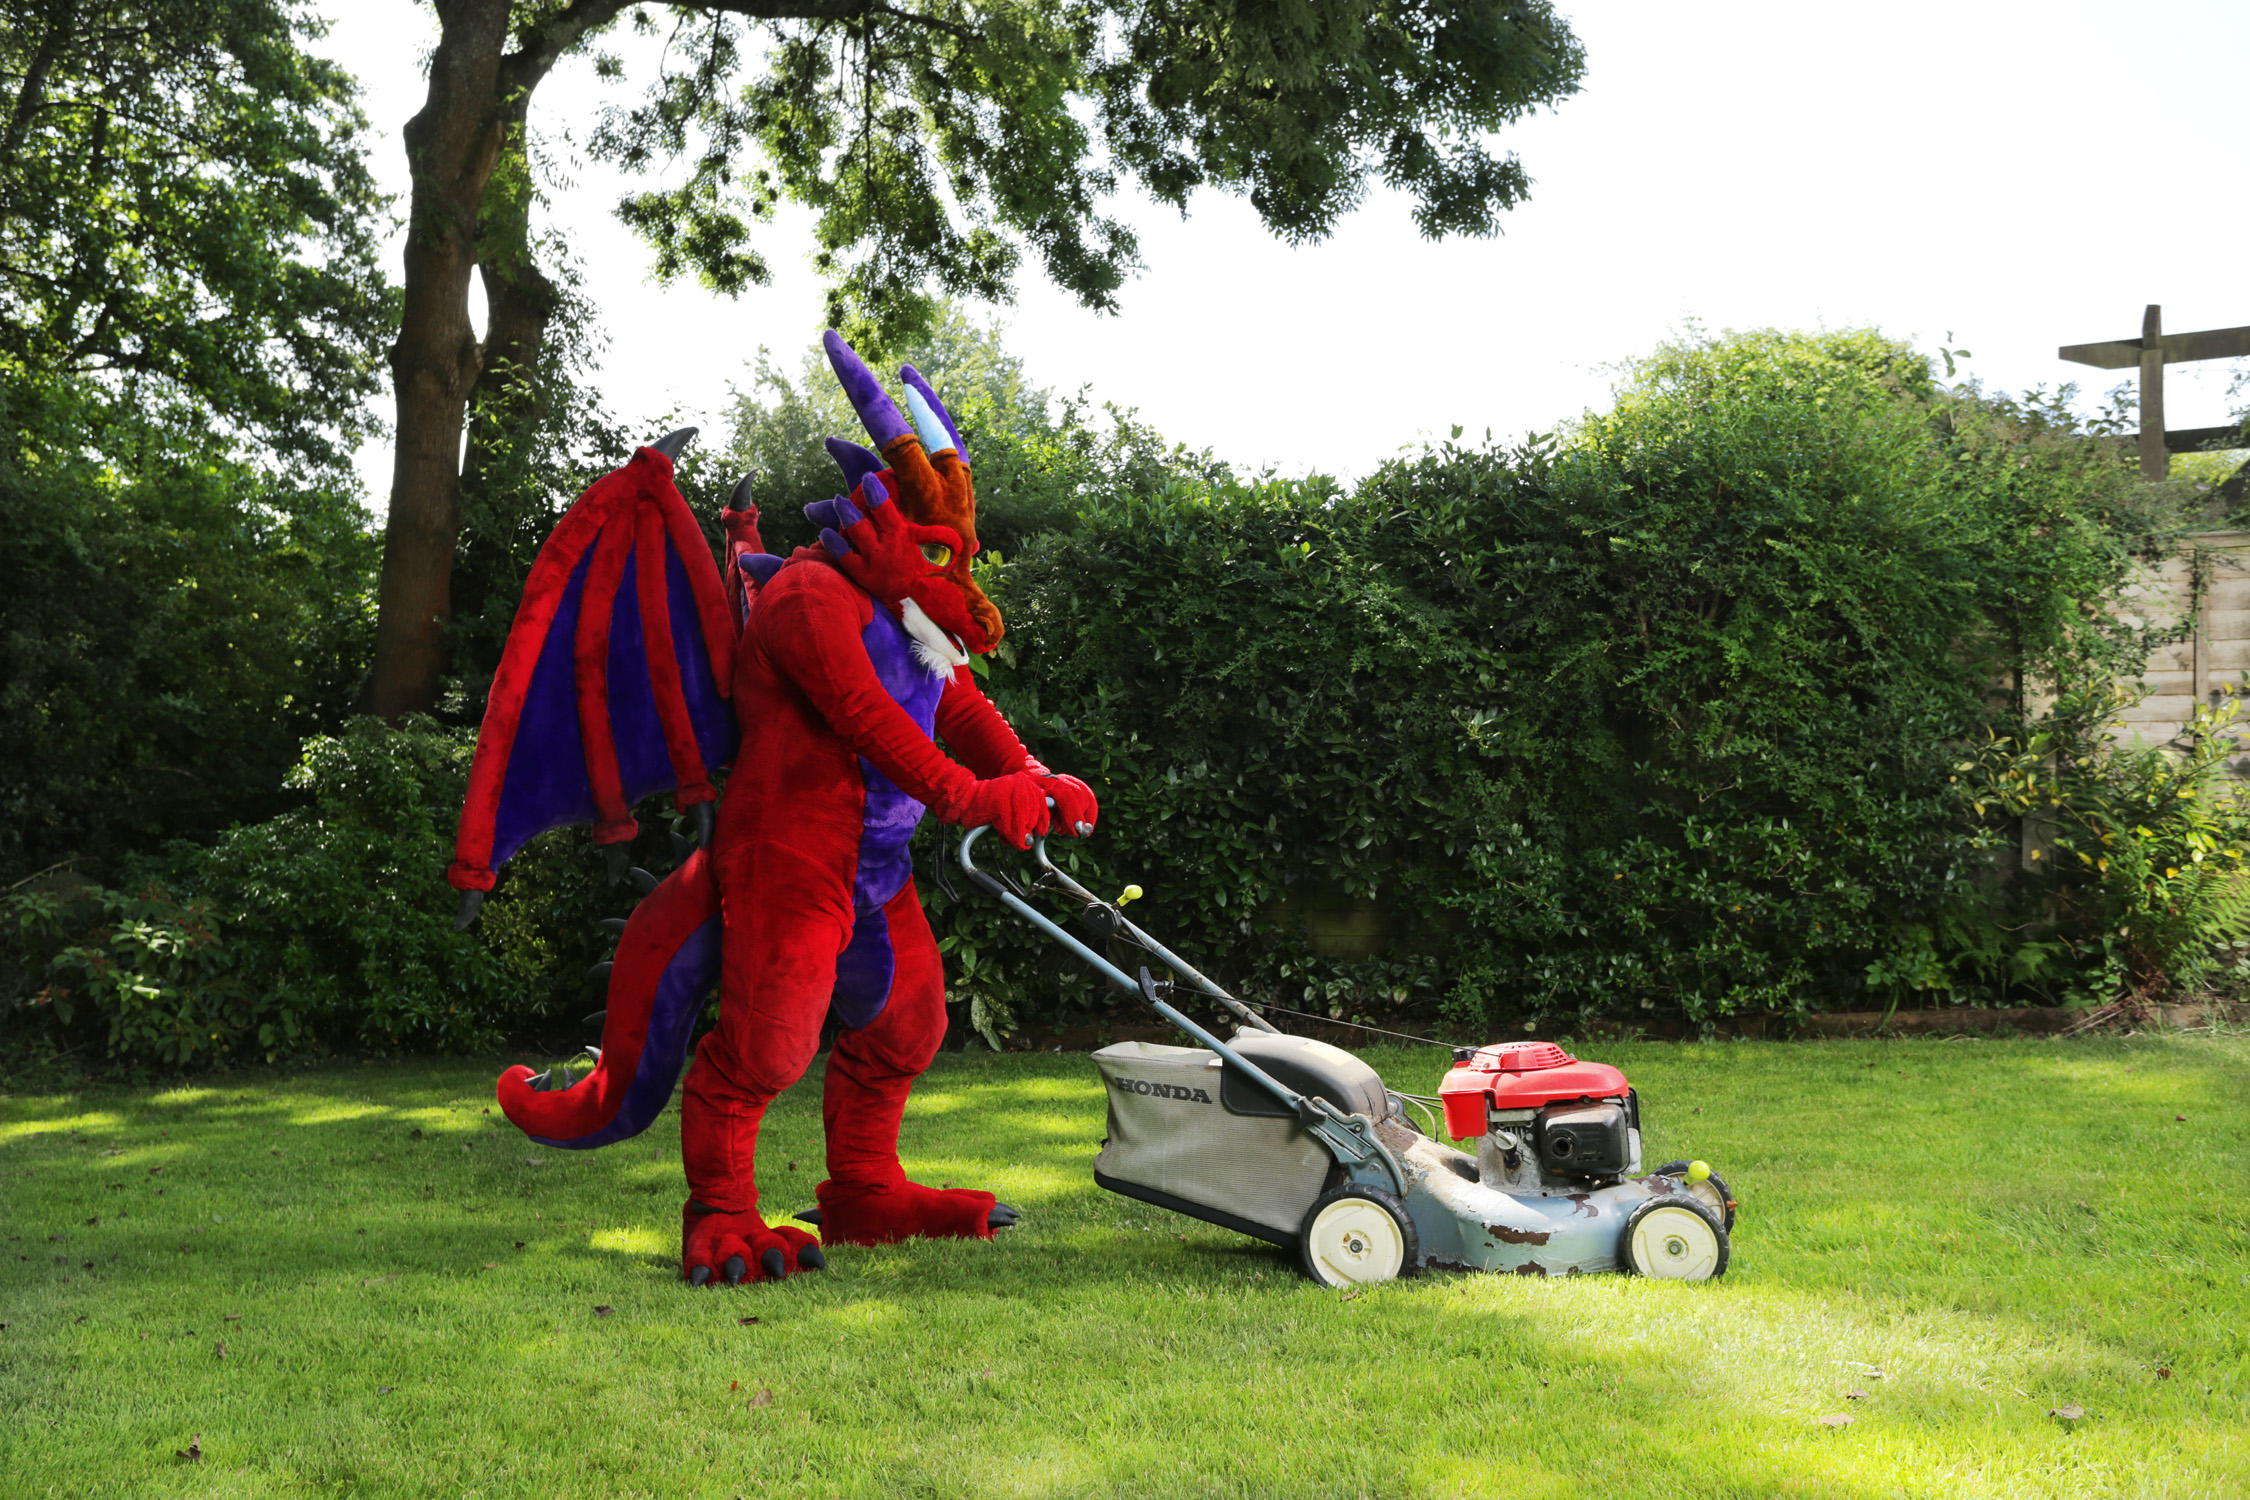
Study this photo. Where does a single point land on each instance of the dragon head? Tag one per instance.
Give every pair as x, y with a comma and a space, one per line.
915, 560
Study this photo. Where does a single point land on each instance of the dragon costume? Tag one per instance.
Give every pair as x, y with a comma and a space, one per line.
633, 667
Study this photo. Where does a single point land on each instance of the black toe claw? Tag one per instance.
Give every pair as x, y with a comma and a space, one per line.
775, 1267
699, 1275
810, 1259
470, 902
809, 1216
616, 860
705, 818
1001, 1217
735, 1270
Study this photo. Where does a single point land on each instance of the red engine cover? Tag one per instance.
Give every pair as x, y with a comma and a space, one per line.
1520, 1075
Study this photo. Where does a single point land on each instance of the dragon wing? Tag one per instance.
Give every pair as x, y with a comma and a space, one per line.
615, 681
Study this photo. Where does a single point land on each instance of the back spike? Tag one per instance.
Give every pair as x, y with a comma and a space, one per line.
675, 442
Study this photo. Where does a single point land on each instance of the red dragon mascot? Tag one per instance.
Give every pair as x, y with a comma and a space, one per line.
824, 680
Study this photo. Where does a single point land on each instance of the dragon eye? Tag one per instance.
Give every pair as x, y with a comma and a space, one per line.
937, 554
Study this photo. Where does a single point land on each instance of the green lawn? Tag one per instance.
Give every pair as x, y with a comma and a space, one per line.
412, 1300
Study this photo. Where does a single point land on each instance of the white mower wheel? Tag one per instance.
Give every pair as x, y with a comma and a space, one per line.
1675, 1239
1356, 1236
1712, 1190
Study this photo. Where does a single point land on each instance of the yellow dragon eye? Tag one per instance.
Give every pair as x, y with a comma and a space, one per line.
937, 553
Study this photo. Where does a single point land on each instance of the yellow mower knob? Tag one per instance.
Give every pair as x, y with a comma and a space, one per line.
1698, 1171
1132, 893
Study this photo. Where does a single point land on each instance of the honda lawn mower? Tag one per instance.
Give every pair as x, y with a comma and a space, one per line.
1299, 1143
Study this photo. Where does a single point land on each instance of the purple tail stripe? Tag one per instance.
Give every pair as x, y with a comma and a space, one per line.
680, 994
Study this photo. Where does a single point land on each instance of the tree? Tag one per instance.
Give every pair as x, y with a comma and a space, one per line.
188, 216
936, 140
190, 314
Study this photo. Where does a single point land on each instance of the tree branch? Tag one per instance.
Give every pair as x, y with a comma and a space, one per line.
34, 85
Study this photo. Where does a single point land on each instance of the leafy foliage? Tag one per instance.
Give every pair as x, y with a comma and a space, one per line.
1662, 713
939, 141
2146, 884
172, 624
190, 217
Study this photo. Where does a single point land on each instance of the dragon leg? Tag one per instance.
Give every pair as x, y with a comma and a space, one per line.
787, 915
867, 1199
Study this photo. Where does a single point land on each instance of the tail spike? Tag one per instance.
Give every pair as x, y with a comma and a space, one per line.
617, 860
642, 880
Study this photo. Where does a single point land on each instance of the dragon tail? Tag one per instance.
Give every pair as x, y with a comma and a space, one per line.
666, 966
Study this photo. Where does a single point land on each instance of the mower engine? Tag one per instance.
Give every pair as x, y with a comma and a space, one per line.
1555, 1186
1543, 1121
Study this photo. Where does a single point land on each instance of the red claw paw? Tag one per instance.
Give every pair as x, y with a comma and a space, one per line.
729, 1249
887, 1213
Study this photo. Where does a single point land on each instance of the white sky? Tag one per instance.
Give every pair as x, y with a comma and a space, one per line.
2021, 175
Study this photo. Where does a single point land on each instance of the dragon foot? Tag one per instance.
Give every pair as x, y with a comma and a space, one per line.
886, 1213
716, 1246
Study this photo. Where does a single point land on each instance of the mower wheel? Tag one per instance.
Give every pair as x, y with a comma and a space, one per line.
1712, 1190
1675, 1239
1356, 1235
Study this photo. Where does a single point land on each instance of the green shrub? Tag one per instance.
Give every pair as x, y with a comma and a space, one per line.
1661, 714
326, 927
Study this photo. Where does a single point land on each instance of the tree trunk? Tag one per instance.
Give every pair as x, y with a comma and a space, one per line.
478, 93
453, 146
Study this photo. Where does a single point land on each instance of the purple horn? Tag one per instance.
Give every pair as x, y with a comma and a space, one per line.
877, 412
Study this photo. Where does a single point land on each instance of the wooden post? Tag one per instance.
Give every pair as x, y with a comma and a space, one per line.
2155, 463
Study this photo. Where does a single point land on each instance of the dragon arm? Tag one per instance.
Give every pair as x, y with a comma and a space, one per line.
812, 636
975, 732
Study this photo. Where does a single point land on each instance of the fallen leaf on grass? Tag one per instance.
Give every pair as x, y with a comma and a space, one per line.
193, 1452
2163, 1372
746, 1322
734, 1385
2071, 1413
535, 1161
385, 1390
1837, 1419
233, 1317
604, 1310
2179, 1117
763, 1397
492, 1265
220, 1349
519, 1244
1855, 1395
986, 1375
379, 1280
96, 1219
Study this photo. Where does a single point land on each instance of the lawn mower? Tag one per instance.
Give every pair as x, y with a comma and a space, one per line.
1298, 1142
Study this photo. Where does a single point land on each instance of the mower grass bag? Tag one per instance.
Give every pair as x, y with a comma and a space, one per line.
1190, 1134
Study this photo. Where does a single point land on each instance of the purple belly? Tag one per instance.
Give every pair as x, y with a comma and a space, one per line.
863, 971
